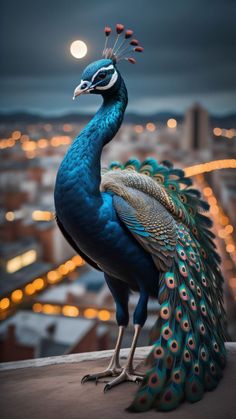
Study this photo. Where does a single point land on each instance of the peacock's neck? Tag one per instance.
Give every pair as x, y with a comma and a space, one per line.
79, 175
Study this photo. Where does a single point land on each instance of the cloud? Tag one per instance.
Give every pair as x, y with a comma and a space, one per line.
189, 46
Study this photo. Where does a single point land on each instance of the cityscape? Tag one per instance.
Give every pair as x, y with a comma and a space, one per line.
51, 301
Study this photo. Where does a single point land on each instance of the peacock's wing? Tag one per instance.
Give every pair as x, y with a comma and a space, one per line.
188, 354
74, 245
150, 223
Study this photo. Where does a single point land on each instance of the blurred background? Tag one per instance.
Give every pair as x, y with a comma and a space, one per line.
182, 107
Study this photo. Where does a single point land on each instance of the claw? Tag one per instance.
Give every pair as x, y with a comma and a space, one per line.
85, 378
106, 388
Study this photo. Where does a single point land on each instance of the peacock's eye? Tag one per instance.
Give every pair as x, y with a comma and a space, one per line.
102, 75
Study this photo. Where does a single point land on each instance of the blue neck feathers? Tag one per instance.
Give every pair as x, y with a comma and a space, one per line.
79, 176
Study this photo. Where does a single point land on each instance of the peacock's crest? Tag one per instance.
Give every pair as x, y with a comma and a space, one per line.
124, 45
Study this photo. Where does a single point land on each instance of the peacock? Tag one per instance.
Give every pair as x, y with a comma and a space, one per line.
144, 225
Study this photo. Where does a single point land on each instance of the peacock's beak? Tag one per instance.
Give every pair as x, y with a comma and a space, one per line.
83, 87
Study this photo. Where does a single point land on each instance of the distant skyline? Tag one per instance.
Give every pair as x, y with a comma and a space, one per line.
189, 53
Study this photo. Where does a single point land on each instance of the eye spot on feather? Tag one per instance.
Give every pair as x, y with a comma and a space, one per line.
158, 352
172, 187
203, 253
166, 332
183, 198
202, 329
190, 210
159, 178
183, 270
192, 284
193, 305
145, 172
187, 356
203, 355
165, 313
170, 281
185, 325
178, 315
216, 347
191, 343
199, 292
153, 380
213, 370
183, 294
177, 377
204, 281
195, 232
196, 369
173, 345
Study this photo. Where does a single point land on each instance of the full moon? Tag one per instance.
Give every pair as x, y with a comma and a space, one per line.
78, 49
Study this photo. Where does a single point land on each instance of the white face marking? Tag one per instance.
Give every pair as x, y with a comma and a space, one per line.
111, 82
110, 67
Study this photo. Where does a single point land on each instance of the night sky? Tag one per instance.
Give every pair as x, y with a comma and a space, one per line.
190, 53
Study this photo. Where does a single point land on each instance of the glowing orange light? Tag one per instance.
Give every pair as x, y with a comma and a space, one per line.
70, 311
78, 261
90, 313
217, 132
29, 289
38, 283
37, 307
151, 127
42, 143
4, 303
229, 229
10, 216
53, 276
230, 248
104, 315
207, 191
212, 200
70, 265
62, 270
51, 309
171, 123
16, 296
16, 135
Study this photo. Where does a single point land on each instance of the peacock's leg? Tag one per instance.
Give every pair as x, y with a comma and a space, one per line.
128, 372
114, 367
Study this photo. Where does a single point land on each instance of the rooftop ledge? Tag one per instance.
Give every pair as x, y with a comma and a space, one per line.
50, 387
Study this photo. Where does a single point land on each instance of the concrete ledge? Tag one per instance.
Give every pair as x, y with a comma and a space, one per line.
50, 388
140, 354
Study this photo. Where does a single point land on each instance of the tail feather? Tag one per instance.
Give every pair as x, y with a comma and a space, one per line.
188, 354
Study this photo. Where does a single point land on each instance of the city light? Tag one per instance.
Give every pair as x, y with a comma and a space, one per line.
104, 315
151, 127
10, 216
53, 277
30, 289
4, 303
221, 132
208, 167
171, 123
17, 296
38, 284
70, 311
90, 313
18, 262
38, 215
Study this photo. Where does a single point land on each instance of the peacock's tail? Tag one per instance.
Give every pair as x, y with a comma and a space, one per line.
188, 354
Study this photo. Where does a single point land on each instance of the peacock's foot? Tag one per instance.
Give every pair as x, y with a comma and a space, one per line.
109, 372
125, 375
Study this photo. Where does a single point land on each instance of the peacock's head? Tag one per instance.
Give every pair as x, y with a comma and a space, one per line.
102, 76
